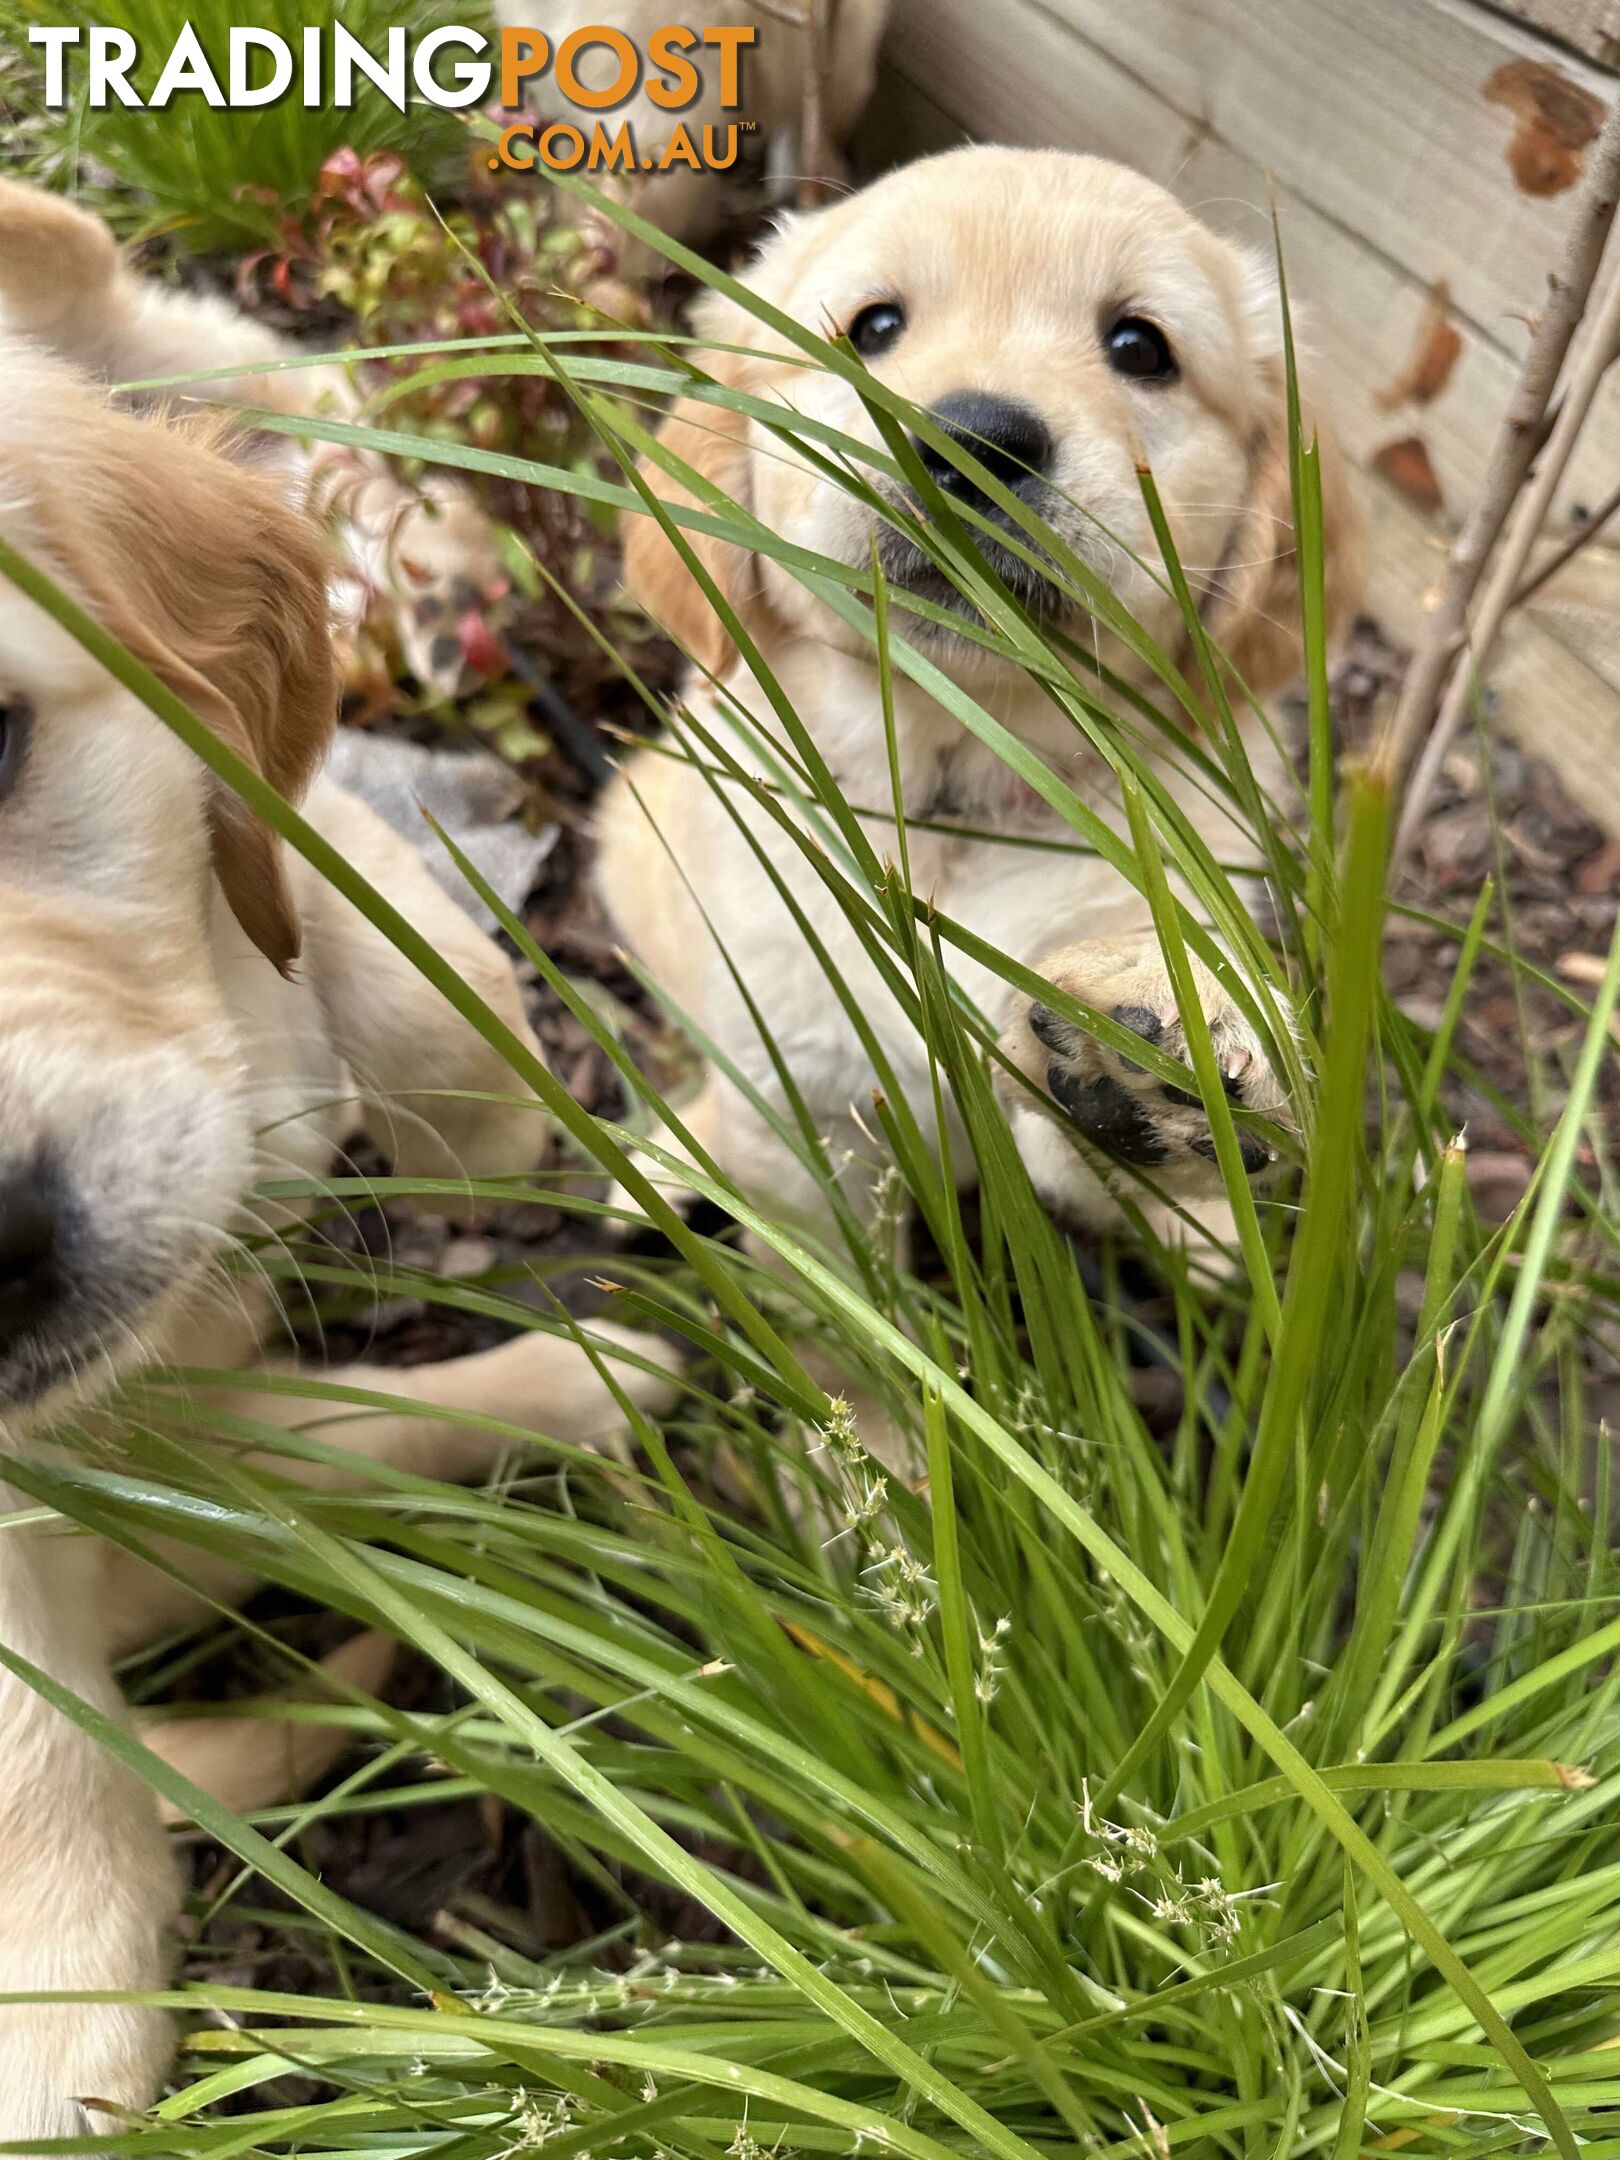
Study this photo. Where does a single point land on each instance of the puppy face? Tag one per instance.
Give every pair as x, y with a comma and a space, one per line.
126, 1136
1064, 319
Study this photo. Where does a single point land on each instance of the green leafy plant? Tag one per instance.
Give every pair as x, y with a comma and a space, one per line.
209, 178
410, 276
1246, 1787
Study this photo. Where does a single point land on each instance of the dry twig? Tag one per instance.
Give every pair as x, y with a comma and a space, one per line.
813, 17
1569, 547
815, 150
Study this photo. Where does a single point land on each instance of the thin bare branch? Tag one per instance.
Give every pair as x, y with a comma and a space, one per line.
1527, 521
1590, 529
1522, 434
815, 150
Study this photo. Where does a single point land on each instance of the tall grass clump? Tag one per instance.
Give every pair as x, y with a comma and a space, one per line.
206, 178
1242, 1788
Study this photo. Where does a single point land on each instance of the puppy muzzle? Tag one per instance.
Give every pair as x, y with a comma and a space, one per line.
124, 1151
1010, 442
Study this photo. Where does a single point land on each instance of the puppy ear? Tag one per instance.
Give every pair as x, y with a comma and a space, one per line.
713, 441
219, 586
276, 696
1256, 621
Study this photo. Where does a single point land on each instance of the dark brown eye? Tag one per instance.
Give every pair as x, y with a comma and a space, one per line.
1139, 349
15, 714
877, 329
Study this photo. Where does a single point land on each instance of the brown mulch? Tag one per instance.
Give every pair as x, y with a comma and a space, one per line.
1503, 814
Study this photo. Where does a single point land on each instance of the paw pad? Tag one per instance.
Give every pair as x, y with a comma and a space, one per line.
1126, 1111
1109, 1115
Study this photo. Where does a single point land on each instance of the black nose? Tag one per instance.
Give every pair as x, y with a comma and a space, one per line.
28, 1247
1008, 439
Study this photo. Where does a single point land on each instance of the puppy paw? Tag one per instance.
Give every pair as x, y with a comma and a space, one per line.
630, 1218
258, 1761
58, 2060
55, 259
445, 638
655, 1392
662, 1162
1129, 1118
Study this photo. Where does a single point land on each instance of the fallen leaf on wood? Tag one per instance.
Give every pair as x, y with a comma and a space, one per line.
1406, 464
1436, 351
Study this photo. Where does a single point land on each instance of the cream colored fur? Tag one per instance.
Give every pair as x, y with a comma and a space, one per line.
424, 551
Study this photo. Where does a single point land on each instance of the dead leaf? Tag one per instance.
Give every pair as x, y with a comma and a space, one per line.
1406, 464
1435, 352
1558, 119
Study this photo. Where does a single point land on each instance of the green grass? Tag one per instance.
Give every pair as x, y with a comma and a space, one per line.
1245, 1791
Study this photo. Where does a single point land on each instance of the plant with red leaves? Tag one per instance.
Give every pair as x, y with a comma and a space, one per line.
405, 272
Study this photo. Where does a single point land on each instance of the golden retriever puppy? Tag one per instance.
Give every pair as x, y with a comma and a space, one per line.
186, 1009
1061, 318
425, 551
688, 204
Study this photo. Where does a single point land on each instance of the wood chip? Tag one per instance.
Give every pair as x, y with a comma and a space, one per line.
1600, 872
1581, 967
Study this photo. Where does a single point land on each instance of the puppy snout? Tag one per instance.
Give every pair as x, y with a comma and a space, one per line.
30, 1246
1009, 438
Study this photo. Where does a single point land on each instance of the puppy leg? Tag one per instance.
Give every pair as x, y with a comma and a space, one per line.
705, 1118
1127, 1115
65, 281
421, 1066
745, 1147
254, 1762
88, 1891
540, 1382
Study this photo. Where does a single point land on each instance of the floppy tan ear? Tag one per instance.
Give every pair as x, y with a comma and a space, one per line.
714, 442
219, 586
1256, 622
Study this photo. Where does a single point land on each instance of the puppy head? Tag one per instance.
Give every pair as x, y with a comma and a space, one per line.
125, 1134
1063, 319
